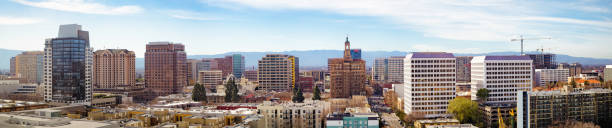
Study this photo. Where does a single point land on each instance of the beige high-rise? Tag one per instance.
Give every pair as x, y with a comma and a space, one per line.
28, 65
278, 72
113, 68
210, 79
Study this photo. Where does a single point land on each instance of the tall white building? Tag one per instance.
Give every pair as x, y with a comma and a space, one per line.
429, 83
68, 71
544, 76
390, 69
503, 76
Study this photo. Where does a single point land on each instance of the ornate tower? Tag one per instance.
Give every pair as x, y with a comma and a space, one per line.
347, 49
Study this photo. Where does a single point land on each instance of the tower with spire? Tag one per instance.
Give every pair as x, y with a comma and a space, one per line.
347, 74
347, 49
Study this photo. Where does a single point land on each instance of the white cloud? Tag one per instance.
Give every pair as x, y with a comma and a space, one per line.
4, 20
82, 6
190, 15
476, 20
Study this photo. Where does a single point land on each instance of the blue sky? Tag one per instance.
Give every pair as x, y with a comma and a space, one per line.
577, 27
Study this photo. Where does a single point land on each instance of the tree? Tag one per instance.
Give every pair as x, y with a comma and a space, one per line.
482, 94
465, 110
573, 83
199, 93
586, 83
316, 93
231, 91
298, 96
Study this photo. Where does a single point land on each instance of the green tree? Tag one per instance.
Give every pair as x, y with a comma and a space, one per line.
465, 110
298, 96
316, 94
482, 94
573, 83
586, 83
199, 93
231, 91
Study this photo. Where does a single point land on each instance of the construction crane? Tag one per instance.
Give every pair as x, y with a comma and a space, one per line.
500, 119
522, 39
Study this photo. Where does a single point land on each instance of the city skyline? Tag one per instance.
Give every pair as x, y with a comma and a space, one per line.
208, 27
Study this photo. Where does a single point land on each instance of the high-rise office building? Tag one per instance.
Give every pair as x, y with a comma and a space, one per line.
347, 74
390, 69
543, 61
113, 68
278, 72
165, 68
13, 66
210, 79
67, 71
464, 68
225, 65
553, 108
192, 70
251, 75
356, 54
237, 65
28, 66
608, 73
503, 76
575, 69
429, 83
550, 76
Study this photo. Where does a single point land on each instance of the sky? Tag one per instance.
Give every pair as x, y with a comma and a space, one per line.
575, 27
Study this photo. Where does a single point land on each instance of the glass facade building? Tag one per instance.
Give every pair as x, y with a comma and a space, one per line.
237, 65
67, 67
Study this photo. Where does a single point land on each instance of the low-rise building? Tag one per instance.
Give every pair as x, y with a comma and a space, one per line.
435, 122
290, 115
549, 108
352, 120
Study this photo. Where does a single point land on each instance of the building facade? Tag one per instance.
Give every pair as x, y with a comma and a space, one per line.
347, 75
608, 73
429, 83
68, 61
251, 75
550, 108
550, 76
543, 61
293, 115
165, 68
503, 76
28, 65
464, 69
388, 70
278, 72
352, 120
114, 67
210, 79
237, 65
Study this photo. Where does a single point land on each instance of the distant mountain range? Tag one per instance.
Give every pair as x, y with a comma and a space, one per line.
318, 58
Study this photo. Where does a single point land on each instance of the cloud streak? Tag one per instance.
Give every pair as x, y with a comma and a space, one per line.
82, 6
474, 20
190, 15
5, 20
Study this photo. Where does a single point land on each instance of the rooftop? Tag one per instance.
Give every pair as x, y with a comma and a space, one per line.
507, 58
432, 55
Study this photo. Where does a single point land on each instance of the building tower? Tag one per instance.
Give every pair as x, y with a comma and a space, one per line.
68, 65
114, 68
503, 76
28, 66
347, 75
278, 72
429, 83
165, 68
